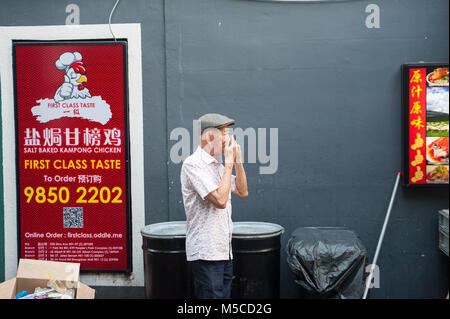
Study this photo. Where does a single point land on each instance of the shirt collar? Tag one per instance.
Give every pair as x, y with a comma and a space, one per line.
206, 157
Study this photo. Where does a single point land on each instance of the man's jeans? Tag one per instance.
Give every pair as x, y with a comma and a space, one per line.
212, 279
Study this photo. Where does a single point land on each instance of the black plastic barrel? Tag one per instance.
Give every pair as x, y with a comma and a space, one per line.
256, 260
165, 266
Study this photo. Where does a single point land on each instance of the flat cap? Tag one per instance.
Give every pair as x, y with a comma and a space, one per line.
214, 120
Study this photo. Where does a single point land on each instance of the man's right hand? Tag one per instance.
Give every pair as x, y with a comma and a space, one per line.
229, 152
219, 197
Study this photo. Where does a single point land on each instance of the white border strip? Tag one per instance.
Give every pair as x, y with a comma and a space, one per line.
130, 31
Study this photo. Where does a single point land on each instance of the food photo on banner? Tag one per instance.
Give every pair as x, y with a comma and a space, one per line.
72, 153
426, 124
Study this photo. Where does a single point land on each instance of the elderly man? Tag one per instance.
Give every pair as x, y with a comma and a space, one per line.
206, 185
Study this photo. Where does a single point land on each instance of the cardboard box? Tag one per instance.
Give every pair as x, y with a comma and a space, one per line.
33, 273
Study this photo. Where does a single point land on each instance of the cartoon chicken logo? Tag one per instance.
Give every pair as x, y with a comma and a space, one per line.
72, 98
74, 79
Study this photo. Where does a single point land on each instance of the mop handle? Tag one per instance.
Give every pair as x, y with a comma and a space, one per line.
380, 240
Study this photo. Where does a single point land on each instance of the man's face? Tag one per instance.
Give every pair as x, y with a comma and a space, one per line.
216, 139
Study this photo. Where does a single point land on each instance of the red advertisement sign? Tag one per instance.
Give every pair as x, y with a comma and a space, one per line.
72, 153
427, 124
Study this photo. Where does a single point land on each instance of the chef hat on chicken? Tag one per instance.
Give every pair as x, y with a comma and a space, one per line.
66, 59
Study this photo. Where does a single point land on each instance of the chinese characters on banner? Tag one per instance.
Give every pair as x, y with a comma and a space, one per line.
72, 153
417, 116
428, 124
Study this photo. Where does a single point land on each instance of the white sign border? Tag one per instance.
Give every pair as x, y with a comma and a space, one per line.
129, 31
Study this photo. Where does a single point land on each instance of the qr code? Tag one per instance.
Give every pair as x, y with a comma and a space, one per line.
73, 217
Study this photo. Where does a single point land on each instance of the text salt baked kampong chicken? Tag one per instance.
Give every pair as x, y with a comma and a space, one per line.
74, 79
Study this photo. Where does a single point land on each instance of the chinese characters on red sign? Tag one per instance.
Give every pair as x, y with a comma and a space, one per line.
72, 153
417, 116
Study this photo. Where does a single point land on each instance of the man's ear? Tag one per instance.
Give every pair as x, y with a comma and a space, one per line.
208, 135
205, 137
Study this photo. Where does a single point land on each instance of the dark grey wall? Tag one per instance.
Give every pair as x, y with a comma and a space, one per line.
314, 71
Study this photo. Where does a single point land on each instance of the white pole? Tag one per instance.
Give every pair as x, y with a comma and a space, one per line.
380, 240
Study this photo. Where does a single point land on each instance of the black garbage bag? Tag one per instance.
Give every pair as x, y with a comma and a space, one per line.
328, 262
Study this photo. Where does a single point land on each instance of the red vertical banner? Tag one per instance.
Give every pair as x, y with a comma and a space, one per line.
72, 153
417, 125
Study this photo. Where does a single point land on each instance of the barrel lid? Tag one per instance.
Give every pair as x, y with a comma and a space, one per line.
175, 229
256, 230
